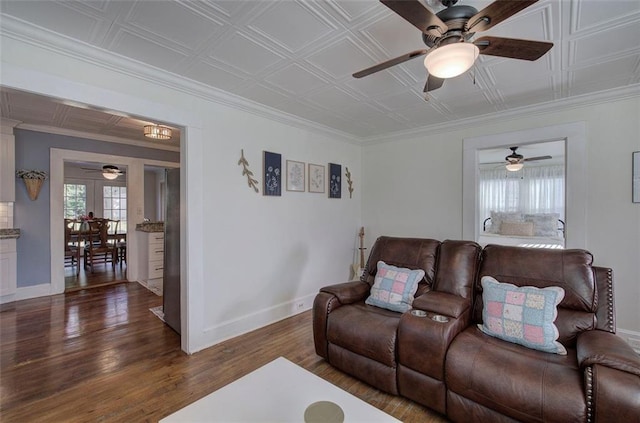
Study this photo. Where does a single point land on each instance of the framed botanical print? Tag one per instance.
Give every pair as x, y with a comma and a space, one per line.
295, 176
272, 174
335, 180
316, 178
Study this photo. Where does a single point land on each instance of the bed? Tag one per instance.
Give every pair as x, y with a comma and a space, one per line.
533, 230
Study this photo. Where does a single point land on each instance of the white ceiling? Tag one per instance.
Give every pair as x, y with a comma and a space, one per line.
298, 56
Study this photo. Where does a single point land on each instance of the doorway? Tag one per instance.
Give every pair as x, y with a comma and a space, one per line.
521, 195
93, 194
134, 208
574, 136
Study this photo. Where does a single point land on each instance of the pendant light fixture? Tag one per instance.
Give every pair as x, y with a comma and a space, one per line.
157, 132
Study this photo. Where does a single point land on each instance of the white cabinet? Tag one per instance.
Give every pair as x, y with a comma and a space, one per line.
152, 260
8, 265
7, 163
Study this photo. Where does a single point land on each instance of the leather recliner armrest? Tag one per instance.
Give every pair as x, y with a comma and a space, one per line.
607, 349
442, 303
348, 292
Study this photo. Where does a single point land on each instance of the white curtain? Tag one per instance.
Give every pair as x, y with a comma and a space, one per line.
534, 189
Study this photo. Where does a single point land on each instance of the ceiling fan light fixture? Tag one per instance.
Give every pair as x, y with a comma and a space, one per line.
514, 167
157, 132
451, 60
110, 172
109, 175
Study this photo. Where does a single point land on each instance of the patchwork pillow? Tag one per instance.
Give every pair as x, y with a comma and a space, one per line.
544, 224
498, 217
522, 315
394, 287
516, 228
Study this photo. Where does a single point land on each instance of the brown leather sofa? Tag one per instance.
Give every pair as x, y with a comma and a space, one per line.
454, 368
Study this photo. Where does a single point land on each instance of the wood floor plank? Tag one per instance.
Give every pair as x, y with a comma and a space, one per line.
100, 355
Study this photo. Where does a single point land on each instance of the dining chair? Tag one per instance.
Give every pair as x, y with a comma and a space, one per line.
71, 245
98, 249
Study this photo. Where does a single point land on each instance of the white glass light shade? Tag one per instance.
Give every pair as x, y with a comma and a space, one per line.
514, 167
109, 175
157, 132
451, 60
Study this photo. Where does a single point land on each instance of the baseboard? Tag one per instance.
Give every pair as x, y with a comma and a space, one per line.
632, 337
28, 292
231, 328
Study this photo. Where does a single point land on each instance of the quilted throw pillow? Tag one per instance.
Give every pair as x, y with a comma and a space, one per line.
394, 287
523, 315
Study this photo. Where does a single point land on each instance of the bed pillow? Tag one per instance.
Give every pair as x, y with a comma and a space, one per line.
544, 224
516, 228
498, 217
522, 315
394, 287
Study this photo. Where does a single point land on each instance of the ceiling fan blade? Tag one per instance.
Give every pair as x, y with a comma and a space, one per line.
417, 15
531, 159
389, 63
433, 83
495, 13
512, 47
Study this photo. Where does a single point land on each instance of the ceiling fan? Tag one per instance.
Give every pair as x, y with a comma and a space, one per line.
515, 161
108, 171
448, 33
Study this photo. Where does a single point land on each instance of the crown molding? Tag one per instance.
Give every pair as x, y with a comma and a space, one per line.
60, 44
98, 137
606, 96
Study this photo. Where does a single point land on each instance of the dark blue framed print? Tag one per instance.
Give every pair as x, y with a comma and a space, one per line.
335, 180
272, 174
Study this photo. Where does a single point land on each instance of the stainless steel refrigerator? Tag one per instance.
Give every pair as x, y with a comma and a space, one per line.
171, 283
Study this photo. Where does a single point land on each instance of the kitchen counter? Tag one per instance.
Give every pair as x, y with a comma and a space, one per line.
10, 233
150, 227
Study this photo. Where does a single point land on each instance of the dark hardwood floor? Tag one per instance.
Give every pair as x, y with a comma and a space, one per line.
102, 275
100, 355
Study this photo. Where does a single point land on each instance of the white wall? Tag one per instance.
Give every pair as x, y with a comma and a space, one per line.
269, 250
151, 205
249, 260
414, 188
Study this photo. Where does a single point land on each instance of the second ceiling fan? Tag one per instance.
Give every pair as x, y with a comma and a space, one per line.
448, 33
515, 161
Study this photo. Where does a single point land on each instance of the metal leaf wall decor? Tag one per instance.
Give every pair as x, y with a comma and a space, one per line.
253, 183
349, 181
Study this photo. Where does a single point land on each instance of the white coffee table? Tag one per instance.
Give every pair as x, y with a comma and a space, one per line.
279, 391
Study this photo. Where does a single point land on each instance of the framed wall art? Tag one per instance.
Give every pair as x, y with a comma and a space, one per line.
335, 180
635, 172
272, 174
295, 176
316, 178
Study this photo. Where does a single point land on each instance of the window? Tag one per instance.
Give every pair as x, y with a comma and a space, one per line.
537, 189
115, 205
75, 200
